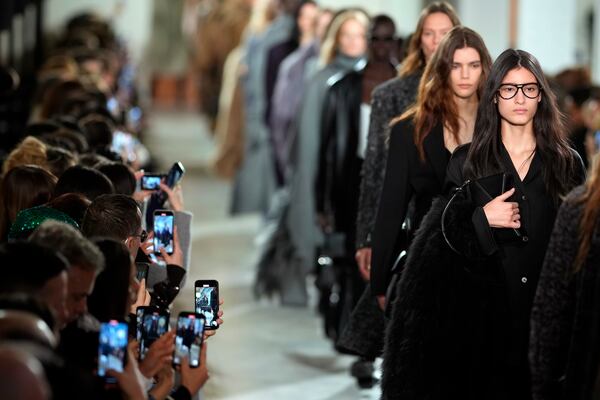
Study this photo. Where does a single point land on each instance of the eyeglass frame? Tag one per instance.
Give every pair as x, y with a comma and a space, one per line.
143, 236
520, 86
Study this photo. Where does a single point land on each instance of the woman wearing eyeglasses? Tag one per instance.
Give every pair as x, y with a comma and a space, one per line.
463, 314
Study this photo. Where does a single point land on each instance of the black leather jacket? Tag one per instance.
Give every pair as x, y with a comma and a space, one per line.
338, 178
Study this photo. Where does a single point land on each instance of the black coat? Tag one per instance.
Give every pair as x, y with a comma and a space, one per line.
459, 327
565, 320
389, 100
406, 177
338, 177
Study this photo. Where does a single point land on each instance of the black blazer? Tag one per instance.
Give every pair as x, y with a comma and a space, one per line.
406, 177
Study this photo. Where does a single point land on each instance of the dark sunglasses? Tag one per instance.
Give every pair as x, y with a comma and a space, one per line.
143, 236
382, 38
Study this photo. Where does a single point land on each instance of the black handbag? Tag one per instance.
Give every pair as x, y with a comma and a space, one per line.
480, 192
397, 268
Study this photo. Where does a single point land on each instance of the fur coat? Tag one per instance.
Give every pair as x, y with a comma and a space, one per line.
445, 337
565, 329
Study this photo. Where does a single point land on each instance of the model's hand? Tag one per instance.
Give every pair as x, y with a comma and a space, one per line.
381, 302
363, 259
501, 213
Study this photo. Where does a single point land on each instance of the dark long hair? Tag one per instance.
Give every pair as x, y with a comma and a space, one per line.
435, 100
111, 290
549, 128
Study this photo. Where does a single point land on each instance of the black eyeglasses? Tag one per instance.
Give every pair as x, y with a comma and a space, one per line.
509, 90
143, 236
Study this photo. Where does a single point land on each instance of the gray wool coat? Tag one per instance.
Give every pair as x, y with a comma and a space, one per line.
255, 182
389, 100
301, 220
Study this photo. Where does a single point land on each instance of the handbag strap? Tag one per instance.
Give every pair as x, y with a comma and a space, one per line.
457, 191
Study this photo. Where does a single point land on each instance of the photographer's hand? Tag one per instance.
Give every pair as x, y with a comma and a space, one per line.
177, 257
141, 195
131, 381
159, 355
194, 378
143, 298
220, 321
165, 379
175, 196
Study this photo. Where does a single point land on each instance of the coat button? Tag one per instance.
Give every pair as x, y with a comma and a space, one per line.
524, 279
525, 238
523, 197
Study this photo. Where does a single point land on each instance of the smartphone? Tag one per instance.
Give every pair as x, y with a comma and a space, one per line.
154, 324
189, 336
142, 270
207, 302
175, 174
163, 231
151, 181
112, 347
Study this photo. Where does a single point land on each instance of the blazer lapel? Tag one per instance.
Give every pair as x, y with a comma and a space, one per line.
435, 152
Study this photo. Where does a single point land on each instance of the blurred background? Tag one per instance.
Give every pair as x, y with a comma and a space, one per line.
171, 57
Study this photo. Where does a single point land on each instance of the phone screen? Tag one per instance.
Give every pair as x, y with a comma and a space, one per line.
188, 339
151, 182
207, 303
112, 347
154, 325
163, 231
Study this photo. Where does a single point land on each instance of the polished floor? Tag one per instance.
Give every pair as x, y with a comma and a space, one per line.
262, 351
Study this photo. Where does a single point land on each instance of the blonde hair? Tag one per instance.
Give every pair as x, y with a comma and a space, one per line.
30, 151
415, 59
332, 38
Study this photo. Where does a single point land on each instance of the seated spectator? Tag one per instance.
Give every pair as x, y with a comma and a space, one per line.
85, 262
29, 219
58, 160
98, 131
29, 151
121, 176
23, 187
116, 289
119, 217
21, 376
87, 181
67, 139
72, 204
37, 270
93, 160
